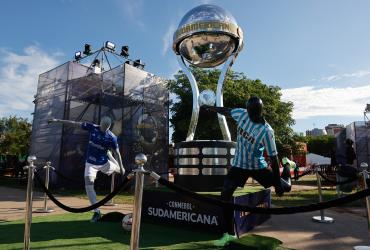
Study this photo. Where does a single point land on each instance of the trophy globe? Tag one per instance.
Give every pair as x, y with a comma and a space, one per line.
207, 36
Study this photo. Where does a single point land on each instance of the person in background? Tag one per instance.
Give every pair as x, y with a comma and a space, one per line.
291, 165
349, 170
350, 154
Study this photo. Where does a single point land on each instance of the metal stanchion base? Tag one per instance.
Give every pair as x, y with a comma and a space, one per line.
41, 210
110, 204
324, 219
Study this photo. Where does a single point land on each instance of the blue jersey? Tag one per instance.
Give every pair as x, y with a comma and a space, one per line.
252, 140
99, 143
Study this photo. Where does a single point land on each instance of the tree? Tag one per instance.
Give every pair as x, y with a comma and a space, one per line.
237, 89
321, 145
15, 135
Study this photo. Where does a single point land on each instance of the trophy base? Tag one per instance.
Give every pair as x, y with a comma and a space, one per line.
202, 165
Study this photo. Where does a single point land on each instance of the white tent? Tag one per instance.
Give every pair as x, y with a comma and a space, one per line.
317, 159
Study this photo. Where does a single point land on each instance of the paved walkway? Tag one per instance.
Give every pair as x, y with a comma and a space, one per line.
296, 231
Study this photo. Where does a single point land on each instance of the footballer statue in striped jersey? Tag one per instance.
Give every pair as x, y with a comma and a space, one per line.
254, 137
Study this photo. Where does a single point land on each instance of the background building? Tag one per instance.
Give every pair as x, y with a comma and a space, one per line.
334, 129
316, 132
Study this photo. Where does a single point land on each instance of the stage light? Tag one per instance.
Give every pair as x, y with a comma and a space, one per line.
139, 64
87, 50
367, 109
124, 51
78, 55
109, 45
96, 63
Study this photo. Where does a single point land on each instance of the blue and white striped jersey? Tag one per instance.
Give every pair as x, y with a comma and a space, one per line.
252, 140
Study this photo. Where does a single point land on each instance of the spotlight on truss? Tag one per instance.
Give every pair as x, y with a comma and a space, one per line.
109, 45
87, 50
78, 55
124, 51
367, 108
139, 64
96, 63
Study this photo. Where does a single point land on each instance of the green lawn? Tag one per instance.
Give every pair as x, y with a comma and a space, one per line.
295, 198
304, 197
74, 231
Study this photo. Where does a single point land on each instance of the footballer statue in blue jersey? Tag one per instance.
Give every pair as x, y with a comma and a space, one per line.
254, 136
98, 156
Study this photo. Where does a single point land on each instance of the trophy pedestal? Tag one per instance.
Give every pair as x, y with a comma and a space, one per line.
202, 165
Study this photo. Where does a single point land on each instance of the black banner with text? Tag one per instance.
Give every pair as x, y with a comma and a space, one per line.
164, 207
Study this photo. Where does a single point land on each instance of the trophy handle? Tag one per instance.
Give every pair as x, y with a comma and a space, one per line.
219, 97
195, 91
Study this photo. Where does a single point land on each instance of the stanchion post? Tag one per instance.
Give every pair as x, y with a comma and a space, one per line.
112, 184
365, 175
140, 160
28, 215
322, 218
45, 209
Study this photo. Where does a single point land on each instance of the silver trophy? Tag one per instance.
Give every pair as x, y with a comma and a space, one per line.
207, 37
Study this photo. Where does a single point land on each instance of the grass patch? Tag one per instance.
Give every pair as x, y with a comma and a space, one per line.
74, 231
304, 197
294, 198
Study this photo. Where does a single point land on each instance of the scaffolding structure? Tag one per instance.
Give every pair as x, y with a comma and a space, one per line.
359, 133
136, 100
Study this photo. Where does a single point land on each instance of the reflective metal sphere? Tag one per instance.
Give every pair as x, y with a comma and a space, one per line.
207, 35
140, 159
363, 166
31, 158
207, 97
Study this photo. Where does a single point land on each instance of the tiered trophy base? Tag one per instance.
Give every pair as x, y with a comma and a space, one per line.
202, 165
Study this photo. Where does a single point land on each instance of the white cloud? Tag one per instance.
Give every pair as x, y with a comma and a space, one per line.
309, 102
132, 9
206, 1
19, 76
356, 74
167, 38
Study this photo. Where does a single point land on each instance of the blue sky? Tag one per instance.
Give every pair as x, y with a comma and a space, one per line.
317, 51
